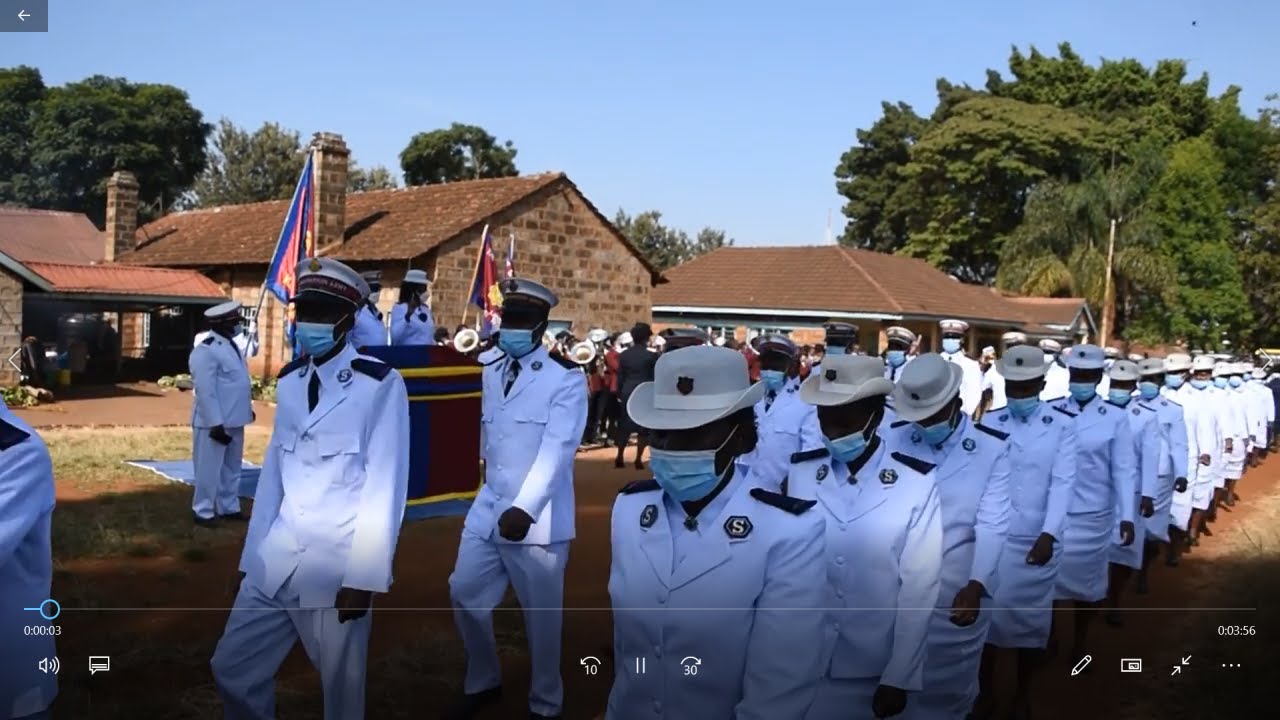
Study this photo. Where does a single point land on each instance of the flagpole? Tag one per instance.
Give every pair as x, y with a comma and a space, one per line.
266, 276
466, 307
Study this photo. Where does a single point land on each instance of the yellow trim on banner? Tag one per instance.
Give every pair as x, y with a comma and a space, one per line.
468, 495
439, 372
453, 396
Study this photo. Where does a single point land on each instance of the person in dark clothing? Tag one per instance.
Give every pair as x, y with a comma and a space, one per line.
635, 366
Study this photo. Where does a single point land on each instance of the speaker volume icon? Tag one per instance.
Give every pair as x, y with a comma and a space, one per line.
49, 665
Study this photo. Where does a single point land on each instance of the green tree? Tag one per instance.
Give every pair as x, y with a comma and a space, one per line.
21, 90
377, 177
666, 247
870, 179
246, 167
459, 152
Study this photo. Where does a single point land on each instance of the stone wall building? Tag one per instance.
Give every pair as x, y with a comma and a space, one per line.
560, 238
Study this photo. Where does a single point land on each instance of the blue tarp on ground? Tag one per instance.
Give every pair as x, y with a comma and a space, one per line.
184, 471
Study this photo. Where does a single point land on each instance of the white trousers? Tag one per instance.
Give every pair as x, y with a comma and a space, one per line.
260, 633
217, 466
479, 581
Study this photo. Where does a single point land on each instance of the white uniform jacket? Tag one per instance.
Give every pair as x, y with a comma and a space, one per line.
970, 382
1231, 419
1106, 467
992, 380
883, 561
223, 393
370, 329
1265, 403
1204, 432
332, 491
1175, 460
1042, 464
417, 328
742, 592
1057, 381
1255, 418
893, 373
26, 567
785, 427
245, 342
1144, 422
528, 440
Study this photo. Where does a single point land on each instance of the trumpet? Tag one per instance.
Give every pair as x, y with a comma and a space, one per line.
548, 340
583, 353
466, 340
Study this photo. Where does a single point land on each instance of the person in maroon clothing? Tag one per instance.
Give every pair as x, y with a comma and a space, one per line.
752, 355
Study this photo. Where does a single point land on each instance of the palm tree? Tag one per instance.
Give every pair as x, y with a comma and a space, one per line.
1066, 236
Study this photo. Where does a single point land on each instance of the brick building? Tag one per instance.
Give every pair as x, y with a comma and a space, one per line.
743, 291
561, 239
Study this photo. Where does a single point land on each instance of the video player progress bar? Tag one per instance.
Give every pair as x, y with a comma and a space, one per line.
379, 608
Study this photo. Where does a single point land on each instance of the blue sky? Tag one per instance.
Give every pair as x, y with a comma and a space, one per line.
730, 114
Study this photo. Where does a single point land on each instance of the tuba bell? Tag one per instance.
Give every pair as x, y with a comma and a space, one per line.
583, 353
466, 340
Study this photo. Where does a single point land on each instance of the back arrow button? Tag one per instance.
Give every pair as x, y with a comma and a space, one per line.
22, 15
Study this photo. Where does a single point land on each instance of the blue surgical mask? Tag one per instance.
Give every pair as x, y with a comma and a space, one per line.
686, 475
950, 345
773, 379
1023, 407
836, 350
1148, 390
937, 433
1220, 382
847, 448
895, 358
516, 343
1235, 382
1174, 381
1082, 391
1119, 397
316, 339
1199, 384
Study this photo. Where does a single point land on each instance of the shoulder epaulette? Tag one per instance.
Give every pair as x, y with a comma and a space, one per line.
565, 362
209, 340
11, 435
916, 464
639, 486
293, 365
783, 488
372, 368
1145, 406
991, 431
805, 455
795, 506
1065, 411
899, 423
1057, 399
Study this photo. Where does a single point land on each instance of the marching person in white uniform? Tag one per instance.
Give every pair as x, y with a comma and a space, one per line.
1111, 354
245, 339
1255, 417
1200, 402
1144, 428
411, 321
1174, 458
883, 559
972, 476
784, 424
517, 532
900, 340
327, 513
1236, 439
993, 397
1200, 427
953, 332
839, 338
26, 570
221, 407
1056, 378
706, 565
1103, 493
1042, 459
1265, 405
370, 329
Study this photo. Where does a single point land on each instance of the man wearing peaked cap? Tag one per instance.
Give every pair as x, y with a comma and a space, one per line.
992, 381
1056, 376
327, 510
900, 341
244, 338
677, 338
882, 514
1042, 445
784, 424
1176, 459
1104, 490
411, 319
370, 329
953, 333
972, 473
221, 407
517, 531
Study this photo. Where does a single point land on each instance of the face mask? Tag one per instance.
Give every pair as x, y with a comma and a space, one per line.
937, 433
1023, 407
896, 358
1219, 382
316, 339
1199, 384
1119, 397
1082, 392
836, 350
950, 345
773, 379
516, 343
1174, 381
687, 475
1148, 390
1235, 382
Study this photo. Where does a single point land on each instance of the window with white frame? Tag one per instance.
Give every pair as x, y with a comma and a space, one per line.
249, 313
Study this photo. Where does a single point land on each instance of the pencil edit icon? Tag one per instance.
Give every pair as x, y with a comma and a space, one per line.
1080, 666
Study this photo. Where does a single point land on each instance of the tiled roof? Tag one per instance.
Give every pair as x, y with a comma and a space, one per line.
1046, 311
127, 280
827, 278
49, 236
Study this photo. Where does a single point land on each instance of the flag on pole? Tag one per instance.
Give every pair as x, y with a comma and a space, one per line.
484, 289
511, 257
295, 243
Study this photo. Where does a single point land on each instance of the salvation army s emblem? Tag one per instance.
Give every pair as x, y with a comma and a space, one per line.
738, 527
344, 376
822, 472
1004, 417
969, 444
537, 365
1136, 411
1102, 410
648, 516
1047, 420
915, 437
888, 476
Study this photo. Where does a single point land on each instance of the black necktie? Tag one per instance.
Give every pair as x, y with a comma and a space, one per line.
313, 391
768, 399
513, 371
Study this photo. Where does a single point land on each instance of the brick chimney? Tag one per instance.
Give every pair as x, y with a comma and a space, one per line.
122, 215
331, 159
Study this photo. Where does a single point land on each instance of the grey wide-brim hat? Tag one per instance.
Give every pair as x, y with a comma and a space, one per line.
692, 387
843, 379
1024, 362
927, 384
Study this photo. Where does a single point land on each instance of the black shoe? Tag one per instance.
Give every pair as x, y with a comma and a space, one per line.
619, 464
639, 464
204, 522
472, 704
234, 517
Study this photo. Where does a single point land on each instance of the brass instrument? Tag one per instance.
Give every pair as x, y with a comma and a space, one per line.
466, 341
583, 353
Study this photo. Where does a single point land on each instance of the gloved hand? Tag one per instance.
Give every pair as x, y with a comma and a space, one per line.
219, 435
888, 701
1180, 485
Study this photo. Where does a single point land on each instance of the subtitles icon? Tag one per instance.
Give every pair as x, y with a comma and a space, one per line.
99, 663
1131, 665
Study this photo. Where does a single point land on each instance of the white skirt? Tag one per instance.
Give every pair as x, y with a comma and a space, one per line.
1130, 555
1086, 553
1022, 610
953, 656
1180, 509
1158, 524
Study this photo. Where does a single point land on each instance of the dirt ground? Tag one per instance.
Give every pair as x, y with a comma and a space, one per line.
127, 404
158, 613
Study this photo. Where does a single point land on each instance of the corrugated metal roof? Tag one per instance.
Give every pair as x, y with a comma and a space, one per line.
127, 280
28, 235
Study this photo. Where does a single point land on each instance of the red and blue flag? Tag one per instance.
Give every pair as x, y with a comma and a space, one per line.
484, 289
296, 242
